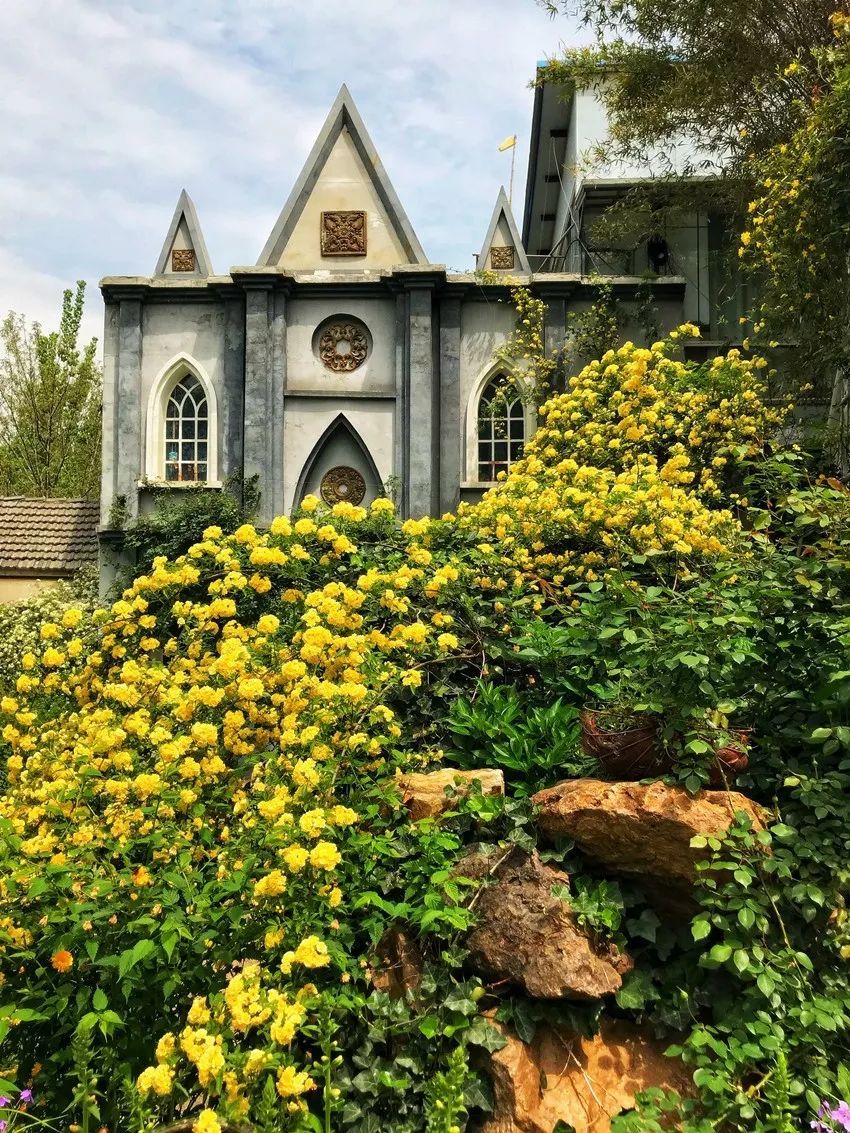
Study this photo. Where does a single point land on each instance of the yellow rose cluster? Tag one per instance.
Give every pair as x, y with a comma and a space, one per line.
633, 458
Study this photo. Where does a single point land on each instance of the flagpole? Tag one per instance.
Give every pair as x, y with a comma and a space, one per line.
511, 185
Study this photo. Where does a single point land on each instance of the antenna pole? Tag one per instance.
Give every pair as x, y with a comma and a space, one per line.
511, 184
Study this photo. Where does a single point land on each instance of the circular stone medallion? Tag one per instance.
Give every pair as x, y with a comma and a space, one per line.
343, 347
342, 483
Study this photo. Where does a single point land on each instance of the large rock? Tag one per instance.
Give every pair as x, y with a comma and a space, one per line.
530, 937
425, 794
640, 830
561, 1076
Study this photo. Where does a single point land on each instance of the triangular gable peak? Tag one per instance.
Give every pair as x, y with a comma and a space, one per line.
343, 213
502, 249
184, 251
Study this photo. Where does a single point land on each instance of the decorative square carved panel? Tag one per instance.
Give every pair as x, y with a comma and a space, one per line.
343, 233
183, 259
502, 257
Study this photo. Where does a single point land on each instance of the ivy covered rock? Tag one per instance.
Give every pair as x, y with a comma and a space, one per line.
562, 1077
430, 794
527, 933
638, 829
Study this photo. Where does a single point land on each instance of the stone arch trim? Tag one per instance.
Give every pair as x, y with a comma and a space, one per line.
165, 381
339, 422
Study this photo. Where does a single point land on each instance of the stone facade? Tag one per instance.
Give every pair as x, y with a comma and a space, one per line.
343, 358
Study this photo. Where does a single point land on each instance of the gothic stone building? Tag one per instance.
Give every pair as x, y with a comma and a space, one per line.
342, 364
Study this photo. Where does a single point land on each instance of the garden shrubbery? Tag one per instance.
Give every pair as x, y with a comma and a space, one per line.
202, 837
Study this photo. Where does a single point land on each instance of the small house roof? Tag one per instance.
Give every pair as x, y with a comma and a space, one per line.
47, 538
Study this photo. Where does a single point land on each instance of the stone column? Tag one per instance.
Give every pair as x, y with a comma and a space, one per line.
423, 444
402, 416
232, 408
450, 424
128, 404
278, 388
257, 441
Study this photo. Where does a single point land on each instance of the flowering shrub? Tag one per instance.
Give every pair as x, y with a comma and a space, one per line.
20, 622
180, 797
635, 457
202, 842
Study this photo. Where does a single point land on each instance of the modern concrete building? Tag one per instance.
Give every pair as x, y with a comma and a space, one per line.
343, 363
570, 188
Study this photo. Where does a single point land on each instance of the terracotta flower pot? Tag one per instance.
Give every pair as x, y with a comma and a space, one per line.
630, 753
731, 759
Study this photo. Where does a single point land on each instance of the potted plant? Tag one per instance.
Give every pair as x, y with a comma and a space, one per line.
625, 738
730, 744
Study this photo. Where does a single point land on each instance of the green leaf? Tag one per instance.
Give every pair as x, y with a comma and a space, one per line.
700, 929
765, 983
429, 1026
484, 1034
720, 953
741, 959
128, 959
99, 1001
746, 917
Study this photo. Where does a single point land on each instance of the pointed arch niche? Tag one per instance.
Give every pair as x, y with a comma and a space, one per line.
496, 432
181, 436
339, 447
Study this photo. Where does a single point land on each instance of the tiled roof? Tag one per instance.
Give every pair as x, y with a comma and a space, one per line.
47, 537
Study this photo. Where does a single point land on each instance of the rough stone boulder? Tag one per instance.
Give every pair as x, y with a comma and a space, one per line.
398, 964
425, 794
640, 830
581, 1082
527, 935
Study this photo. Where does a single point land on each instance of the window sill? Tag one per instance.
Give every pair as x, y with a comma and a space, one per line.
480, 483
180, 485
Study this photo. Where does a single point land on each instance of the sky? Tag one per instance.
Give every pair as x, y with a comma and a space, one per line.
111, 107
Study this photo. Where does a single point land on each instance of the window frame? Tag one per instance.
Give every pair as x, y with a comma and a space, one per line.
167, 381
493, 372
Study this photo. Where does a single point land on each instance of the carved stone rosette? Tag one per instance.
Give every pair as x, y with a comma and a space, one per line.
183, 259
343, 347
502, 257
343, 233
342, 483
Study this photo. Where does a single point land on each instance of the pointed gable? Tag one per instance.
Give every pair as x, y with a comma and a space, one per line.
343, 212
502, 249
184, 251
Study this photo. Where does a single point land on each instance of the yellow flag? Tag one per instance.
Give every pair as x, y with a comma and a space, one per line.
508, 143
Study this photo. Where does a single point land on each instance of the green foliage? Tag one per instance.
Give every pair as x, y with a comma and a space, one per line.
533, 739
177, 519
49, 406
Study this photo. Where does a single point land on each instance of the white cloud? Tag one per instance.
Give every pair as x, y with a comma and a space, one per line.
109, 110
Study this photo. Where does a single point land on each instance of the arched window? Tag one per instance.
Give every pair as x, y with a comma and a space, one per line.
187, 431
501, 428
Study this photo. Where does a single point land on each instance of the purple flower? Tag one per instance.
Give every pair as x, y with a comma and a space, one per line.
841, 1114
3, 1125
26, 1096
4, 1101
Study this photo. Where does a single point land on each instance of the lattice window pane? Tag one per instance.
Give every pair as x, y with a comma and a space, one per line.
187, 421
501, 429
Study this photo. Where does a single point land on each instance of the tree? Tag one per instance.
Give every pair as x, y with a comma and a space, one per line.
714, 70
797, 237
50, 392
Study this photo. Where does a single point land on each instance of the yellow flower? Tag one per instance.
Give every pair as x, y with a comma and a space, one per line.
207, 1122
325, 855
156, 1079
290, 1083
